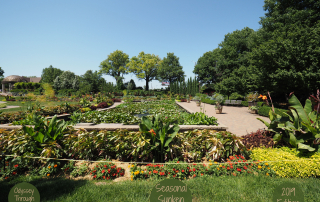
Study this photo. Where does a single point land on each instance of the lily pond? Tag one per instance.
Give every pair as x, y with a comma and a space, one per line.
131, 114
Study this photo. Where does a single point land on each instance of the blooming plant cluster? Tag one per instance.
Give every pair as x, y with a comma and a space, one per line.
235, 165
106, 171
49, 169
238, 165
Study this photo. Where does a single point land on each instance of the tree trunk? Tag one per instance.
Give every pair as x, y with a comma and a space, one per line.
147, 83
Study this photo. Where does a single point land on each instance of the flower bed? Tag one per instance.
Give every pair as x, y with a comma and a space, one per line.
235, 165
128, 113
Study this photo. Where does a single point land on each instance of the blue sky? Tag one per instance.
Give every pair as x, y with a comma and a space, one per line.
77, 35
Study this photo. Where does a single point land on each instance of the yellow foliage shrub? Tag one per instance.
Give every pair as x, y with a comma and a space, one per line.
298, 166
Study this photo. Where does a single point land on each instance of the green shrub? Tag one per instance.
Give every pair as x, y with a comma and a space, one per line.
244, 103
208, 101
3, 105
264, 110
299, 166
260, 104
18, 91
235, 96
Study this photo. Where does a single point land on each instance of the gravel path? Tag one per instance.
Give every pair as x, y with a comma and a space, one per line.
238, 119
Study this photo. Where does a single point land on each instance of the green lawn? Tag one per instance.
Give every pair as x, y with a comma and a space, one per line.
227, 188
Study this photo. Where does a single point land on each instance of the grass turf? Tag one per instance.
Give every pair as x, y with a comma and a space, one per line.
226, 188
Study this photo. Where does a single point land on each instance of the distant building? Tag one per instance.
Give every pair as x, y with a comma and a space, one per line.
15, 78
165, 84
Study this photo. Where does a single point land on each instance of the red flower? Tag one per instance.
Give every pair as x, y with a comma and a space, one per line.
223, 167
194, 170
155, 171
245, 167
190, 170
14, 173
104, 177
103, 171
238, 169
228, 168
194, 175
177, 171
94, 176
94, 171
108, 170
201, 174
16, 165
182, 171
177, 161
174, 175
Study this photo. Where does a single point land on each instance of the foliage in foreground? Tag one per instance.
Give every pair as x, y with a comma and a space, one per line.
300, 127
291, 163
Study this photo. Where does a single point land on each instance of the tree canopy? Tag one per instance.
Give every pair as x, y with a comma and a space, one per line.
145, 66
1, 72
170, 69
49, 74
115, 64
92, 82
288, 57
67, 80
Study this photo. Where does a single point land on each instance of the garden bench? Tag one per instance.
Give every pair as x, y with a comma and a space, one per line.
226, 102
233, 102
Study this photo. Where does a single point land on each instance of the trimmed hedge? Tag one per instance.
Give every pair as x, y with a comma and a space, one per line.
264, 110
245, 103
3, 105
300, 166
208, 101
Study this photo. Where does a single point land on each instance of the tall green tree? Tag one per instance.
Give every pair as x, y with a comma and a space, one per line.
115, 65
170, 69
49, 74
206, 67
145, 66
288, 57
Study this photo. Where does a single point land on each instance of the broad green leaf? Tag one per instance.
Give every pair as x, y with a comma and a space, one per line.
304, 146
295, 103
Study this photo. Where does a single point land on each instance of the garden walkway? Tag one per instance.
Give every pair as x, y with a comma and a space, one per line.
238, 119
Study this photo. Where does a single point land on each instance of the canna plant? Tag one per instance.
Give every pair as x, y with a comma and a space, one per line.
160, 135
299, 127
47, 134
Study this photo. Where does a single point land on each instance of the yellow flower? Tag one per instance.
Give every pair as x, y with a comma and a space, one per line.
267, 174
49, 167
55, 165
129, 166
142, 172
218, 168
215, 162
269, 168
220, 165
132, 166
259, 167
210, 164
266, 164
